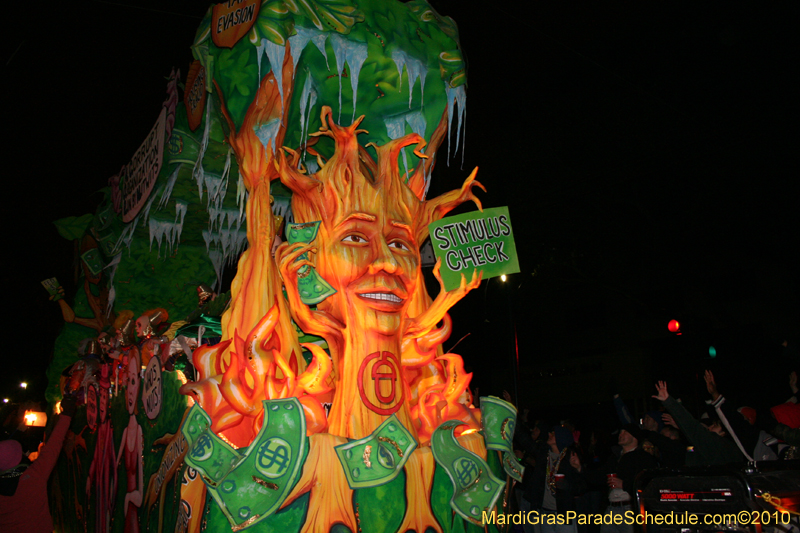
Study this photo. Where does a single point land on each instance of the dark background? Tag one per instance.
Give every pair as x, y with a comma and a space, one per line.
647, 153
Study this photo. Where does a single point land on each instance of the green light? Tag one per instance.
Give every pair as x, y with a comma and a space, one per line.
712, 351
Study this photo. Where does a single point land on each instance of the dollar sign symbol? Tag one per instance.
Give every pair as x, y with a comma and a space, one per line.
466, 471
202, 448
274, 457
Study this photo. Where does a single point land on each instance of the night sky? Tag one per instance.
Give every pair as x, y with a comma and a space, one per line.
647, 154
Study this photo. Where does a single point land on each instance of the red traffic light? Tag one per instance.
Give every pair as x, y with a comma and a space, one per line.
674, 326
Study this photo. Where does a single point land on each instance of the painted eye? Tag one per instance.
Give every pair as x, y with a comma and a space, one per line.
399, 245
355, 239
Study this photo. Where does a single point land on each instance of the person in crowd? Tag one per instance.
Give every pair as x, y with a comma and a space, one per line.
620, 472
556, 481
596, 450
739, 424
712, 445
783, 421
669, 453
24, 505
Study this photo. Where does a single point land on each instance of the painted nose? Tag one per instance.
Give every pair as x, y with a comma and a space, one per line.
384, 260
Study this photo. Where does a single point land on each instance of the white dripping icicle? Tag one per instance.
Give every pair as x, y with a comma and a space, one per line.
224, 247
267, 132
218, 262
319, 41
415, 70
298, 43
180, 213
168, 189
159, 228
112, 293
170, 231
198, 171
241, 196
312, 166
307, 100
354, 54
149, 204
455, 95
223, 217
208, 238
417, 121
396, 128
126, 237
226, 172
276, 54
213, 185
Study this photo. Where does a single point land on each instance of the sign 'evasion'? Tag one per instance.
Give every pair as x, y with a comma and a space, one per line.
477, 240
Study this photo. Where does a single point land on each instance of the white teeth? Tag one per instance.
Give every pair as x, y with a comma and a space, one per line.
387, 296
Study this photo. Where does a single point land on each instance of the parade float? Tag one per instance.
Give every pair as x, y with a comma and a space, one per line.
314, 395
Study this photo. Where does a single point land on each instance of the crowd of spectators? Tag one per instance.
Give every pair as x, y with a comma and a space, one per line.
593, 471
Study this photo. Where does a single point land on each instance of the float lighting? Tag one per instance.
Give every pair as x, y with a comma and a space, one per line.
35, 419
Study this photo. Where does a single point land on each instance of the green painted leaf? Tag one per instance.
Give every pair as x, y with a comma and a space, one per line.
451, 65
327, 15
72, 228
274, 23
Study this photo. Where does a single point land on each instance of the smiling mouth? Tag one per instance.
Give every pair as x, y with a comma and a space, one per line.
381, 297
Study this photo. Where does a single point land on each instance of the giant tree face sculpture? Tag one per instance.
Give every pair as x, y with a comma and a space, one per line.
370, 256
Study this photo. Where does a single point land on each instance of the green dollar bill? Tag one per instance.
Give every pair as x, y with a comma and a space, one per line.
379, 457
208, 454
498, 419
93, 261
513, 467
475, 488
312, 287
257, 486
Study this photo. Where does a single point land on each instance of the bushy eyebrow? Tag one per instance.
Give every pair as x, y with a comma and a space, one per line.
401, 225
357, 216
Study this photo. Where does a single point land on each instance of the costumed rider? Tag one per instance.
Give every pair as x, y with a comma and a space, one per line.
82, 373
202, 326
149, 329
123, 347
23, 486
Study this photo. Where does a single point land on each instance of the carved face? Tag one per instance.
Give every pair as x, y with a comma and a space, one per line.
369, 255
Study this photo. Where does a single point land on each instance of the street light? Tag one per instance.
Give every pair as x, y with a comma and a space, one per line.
5, 400
23, 385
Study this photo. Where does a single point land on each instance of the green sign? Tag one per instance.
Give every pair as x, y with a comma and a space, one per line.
477, 240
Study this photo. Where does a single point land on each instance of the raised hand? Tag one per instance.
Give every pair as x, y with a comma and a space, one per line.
661, 391
668, 420
711, 385
290, 261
